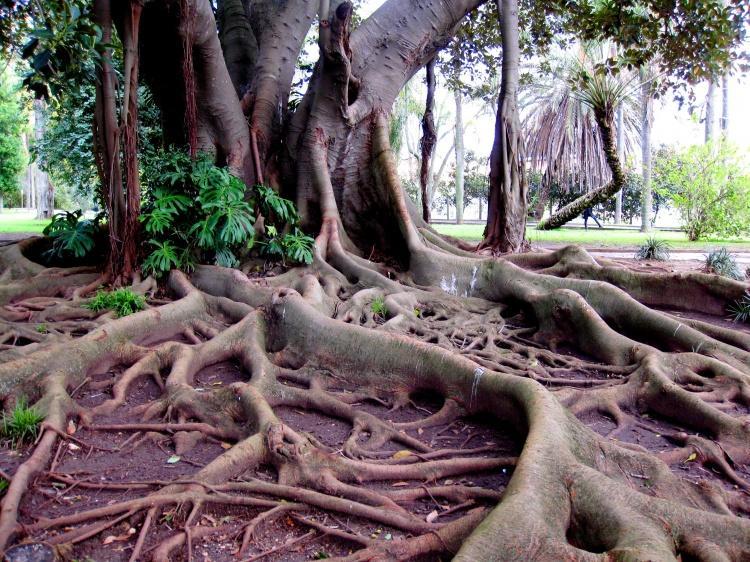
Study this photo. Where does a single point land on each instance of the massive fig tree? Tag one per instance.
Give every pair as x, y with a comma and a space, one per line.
398, 399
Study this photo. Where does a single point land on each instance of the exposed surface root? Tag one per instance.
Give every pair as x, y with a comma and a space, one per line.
291, 417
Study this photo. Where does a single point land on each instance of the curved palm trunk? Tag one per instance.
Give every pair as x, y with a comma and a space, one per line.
506, 214
596, 196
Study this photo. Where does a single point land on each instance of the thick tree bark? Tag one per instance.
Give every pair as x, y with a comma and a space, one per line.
335, 117
460, 159
280, 28
595, 196
646, 123
238, 43
506, 214
428, 140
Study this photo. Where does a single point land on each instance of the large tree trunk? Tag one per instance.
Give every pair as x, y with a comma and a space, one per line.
238, 43
428, 141
646, 123
506, 214
460, 160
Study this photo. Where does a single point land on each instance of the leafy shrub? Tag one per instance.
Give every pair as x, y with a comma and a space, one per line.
198, 212
22, 424
378, 307
709, 185
721, 262
653, 249
122, 301
740, 310
72, 235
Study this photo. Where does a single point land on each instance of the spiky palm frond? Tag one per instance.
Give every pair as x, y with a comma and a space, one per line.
563, 141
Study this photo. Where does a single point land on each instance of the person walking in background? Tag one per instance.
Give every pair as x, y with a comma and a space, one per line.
587, 214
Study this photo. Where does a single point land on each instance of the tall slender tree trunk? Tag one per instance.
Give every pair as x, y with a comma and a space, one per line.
459, 158
506, 214
107, 140
710, 111
646, 121
621, 157
44, 191
429, 139
724, 126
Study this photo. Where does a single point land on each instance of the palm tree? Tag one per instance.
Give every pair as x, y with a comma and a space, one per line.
570, 128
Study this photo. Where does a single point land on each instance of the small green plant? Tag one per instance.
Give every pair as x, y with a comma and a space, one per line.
721, 262
41, 328
71, 234
22, 424
418, 312
122, 301
378, 307
296, 246
197, 212
740, 310
653, 249
3, 486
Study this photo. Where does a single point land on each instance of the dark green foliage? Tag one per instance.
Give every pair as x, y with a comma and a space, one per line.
12, 121
721, 262
22, 424
740, 310
122, 301
196, 212
60, 40
653, 249
72, 235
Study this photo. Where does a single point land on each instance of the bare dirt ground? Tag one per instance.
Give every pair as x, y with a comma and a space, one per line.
119, 458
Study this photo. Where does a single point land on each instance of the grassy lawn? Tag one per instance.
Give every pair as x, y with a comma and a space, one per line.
14, 221
596, 237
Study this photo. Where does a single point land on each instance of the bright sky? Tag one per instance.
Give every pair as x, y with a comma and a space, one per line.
672, 125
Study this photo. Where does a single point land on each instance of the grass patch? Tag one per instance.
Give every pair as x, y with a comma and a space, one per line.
22, 424
596, 237
20, 222
378, 307
122, 301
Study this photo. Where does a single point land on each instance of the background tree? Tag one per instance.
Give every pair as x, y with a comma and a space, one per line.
12, 122
563, 141
709, 185
506, 214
